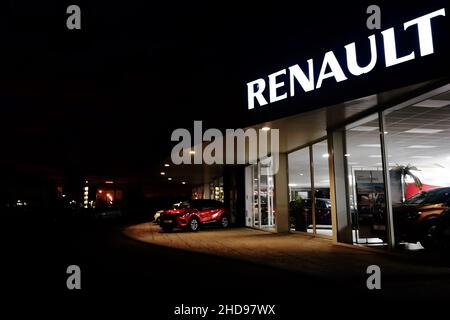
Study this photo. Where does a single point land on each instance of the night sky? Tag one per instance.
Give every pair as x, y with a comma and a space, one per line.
104, 99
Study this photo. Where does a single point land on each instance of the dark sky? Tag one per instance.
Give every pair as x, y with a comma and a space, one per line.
105, 99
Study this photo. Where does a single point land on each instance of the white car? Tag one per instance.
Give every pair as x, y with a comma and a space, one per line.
157, 216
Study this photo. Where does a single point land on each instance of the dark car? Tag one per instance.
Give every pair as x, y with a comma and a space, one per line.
424, 218
300, 213
192, 214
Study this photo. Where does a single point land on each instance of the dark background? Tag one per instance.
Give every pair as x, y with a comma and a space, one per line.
104, 100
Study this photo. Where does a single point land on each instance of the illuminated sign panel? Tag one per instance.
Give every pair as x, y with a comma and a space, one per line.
332, 68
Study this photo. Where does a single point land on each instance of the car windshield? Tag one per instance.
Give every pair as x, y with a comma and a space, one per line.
430, 197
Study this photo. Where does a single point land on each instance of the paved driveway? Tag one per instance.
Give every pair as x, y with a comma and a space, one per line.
296, 252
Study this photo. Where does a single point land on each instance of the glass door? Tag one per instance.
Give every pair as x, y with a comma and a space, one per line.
266, 188
260, 198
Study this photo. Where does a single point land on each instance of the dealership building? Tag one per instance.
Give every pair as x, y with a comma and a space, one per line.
363, 127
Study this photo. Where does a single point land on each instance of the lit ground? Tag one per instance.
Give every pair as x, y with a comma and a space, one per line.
303, 254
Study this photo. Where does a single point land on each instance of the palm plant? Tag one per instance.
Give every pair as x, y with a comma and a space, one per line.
407, 171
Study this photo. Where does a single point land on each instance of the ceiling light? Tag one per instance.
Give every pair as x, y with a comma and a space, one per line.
170, 179
184, 182
364, 128
191, 152
163, 173
325, 155
419, 146
422, 130
166, 165
368, 145
347, 155
430, 103
265, 128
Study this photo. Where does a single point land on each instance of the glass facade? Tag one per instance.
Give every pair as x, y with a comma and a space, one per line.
398, 185
382, 180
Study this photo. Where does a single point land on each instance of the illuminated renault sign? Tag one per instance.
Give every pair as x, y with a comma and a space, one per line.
279, 90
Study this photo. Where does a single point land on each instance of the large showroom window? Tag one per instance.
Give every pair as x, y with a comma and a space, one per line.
418, 146
300, 215
309, 190
321, 184
366, 189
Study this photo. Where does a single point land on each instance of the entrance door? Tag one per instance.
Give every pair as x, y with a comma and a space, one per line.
259, 196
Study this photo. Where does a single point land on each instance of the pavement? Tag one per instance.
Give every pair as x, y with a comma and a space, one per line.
136, 267
308, 255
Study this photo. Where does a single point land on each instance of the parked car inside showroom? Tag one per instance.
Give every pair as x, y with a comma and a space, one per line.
424, 218
300, 213
193, 214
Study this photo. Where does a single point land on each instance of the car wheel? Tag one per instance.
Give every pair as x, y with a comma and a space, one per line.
194, 224
224, 221
430, 236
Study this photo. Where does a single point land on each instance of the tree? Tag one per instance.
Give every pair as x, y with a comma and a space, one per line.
407, 171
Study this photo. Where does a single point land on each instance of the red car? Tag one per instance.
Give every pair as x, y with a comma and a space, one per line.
194, 213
